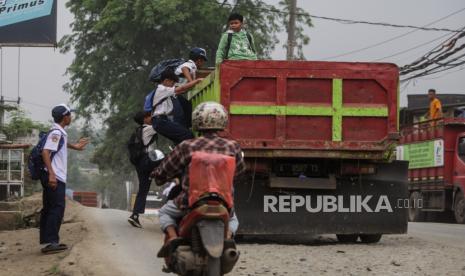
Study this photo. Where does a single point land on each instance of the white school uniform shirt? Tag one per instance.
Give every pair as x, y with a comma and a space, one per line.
190, 64
60, 159
147, 134
161, 100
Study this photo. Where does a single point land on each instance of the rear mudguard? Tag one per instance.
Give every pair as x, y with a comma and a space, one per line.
389, 182
212, 235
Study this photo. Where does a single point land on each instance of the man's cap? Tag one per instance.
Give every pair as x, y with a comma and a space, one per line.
60, 111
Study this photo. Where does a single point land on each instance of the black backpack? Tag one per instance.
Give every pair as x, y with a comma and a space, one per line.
35, 163
136, 148
228, 44
171, 64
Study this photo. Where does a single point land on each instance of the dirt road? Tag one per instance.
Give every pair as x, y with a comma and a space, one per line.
429, 249
113, 247
103, 243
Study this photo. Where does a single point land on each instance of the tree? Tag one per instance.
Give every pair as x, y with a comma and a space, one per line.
116, 42
21, 125
303, 20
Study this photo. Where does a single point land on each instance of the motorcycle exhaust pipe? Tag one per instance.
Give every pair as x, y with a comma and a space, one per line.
229, 259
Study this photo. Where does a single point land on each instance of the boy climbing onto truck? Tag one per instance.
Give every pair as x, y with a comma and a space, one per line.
187, 72
162, 115
236, 43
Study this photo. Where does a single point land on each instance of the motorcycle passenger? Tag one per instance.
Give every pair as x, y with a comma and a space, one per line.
209, 119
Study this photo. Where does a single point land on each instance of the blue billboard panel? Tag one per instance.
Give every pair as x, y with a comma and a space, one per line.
28, 22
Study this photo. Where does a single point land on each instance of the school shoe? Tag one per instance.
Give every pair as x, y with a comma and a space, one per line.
54, 248
134, 221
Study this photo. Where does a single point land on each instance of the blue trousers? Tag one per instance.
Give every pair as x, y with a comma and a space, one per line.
53, 211
171, 130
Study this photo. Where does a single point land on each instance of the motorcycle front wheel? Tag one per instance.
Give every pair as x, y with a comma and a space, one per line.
213, 267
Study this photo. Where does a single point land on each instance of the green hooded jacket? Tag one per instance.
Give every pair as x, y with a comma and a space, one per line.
240, 47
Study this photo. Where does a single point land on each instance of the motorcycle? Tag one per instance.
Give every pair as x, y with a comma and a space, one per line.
202, 247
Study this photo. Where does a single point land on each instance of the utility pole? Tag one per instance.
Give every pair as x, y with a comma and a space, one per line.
291, 29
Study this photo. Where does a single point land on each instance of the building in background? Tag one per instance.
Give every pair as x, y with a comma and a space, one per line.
12, 170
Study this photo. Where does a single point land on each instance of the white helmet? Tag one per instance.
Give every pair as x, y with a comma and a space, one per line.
209, 115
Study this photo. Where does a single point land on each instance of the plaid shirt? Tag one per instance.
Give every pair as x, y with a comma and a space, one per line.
177, 162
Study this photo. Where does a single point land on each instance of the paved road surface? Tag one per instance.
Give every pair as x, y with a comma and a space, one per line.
134, 250
443, 233
131, 251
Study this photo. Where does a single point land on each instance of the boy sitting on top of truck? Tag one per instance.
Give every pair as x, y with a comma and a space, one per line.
236, 43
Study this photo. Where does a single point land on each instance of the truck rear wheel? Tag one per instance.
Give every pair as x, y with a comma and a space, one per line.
459, 208
415, 213
370, 238
347, 238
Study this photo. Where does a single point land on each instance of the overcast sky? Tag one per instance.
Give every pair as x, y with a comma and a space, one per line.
43, 69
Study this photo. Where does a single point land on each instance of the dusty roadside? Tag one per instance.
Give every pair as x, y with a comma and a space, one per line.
20, 250
103, 243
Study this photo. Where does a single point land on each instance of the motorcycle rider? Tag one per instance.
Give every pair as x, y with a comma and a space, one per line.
208, 119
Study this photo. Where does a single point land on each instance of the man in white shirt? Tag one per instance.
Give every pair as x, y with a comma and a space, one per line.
163, 117
54, 155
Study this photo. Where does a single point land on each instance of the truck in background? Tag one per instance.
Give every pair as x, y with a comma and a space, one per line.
312, 130
436, 154
89, 199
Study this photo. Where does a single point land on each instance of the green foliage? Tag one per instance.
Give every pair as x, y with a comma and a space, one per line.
21, 125
116, 43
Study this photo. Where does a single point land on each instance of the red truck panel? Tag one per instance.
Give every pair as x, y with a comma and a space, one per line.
88, 199
302, 105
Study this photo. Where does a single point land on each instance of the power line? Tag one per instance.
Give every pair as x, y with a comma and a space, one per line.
426, 60
431, 72
393, 38
411, 49
443, 75
350, 21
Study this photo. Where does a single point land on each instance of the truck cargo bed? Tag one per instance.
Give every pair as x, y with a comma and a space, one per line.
307, 109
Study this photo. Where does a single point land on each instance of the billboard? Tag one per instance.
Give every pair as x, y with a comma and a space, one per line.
28, 22
423, 154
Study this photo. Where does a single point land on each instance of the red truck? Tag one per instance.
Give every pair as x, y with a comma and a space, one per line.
318, 139
89, 199
436, 154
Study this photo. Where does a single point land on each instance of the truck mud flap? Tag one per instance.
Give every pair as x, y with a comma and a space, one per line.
369, 204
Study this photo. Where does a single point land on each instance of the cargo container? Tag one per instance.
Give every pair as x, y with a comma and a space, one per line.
436, 154
317, 132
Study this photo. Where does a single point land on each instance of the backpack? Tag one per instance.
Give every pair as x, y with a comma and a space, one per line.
228, 44
148, 104
156, 71
137, 149
35, 163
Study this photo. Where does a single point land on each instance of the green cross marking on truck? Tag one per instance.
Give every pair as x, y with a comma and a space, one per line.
337, 110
